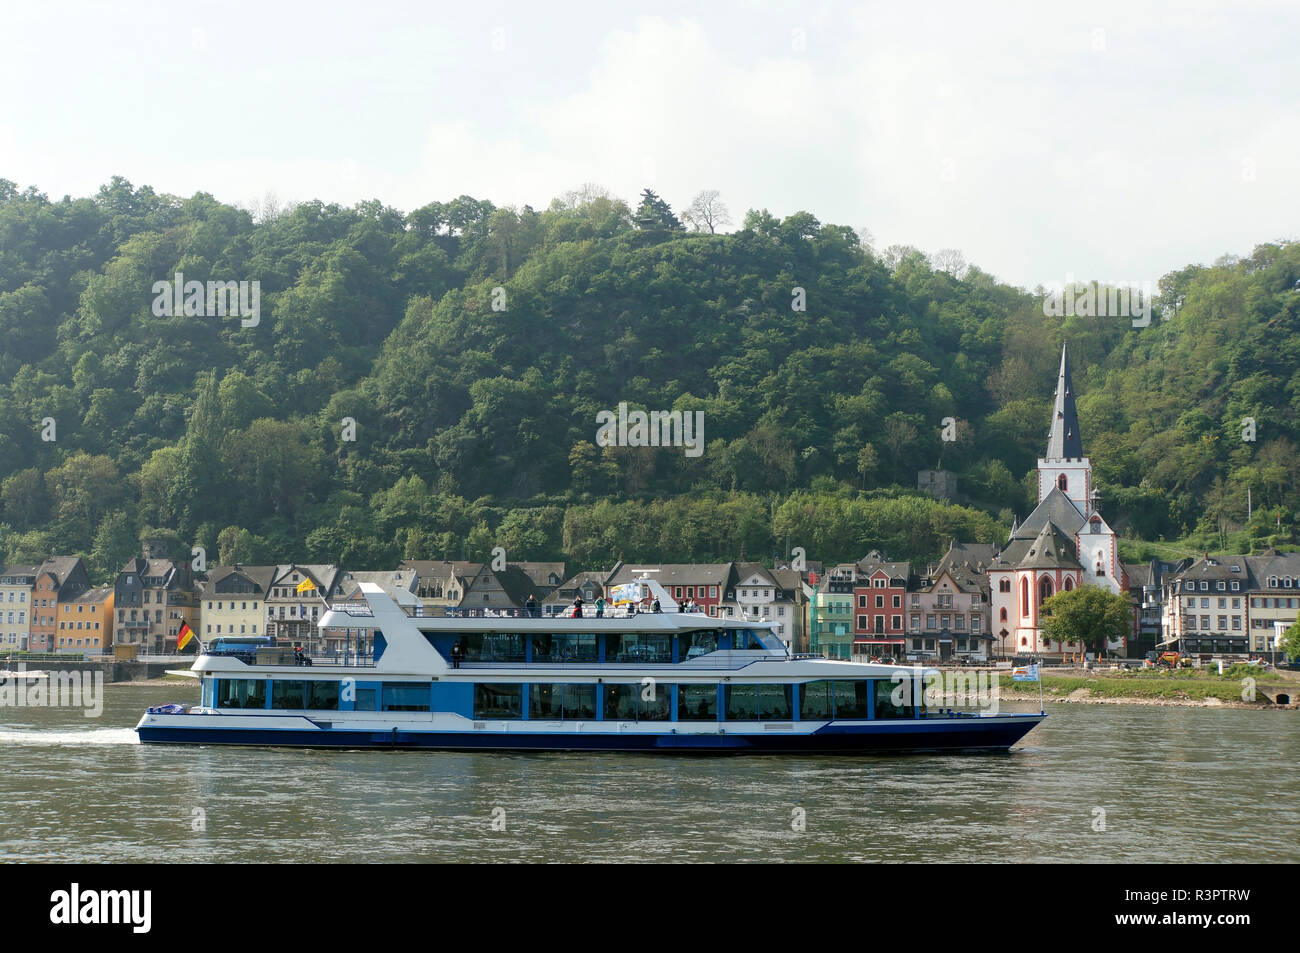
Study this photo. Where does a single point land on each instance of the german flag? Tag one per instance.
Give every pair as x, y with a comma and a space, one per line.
183, 637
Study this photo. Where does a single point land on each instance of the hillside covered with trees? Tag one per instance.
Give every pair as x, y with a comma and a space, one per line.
426, 385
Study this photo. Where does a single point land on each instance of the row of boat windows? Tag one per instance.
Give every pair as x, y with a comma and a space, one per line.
556, 701
611, 647
821, 700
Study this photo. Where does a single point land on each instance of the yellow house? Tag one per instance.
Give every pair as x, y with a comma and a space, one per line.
86, 622
232, 601
17, 583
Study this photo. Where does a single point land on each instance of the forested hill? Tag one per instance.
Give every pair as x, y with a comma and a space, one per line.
468, 350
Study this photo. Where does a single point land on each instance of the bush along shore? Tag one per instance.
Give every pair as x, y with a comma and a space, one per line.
1240, 686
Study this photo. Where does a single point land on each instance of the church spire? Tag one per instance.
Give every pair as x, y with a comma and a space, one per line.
1064, 442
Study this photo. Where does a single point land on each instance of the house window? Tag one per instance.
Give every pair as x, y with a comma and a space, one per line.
1063, 484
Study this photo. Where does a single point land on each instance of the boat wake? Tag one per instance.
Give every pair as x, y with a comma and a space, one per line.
96, 736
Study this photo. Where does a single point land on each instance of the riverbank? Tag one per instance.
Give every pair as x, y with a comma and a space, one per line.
1239, 687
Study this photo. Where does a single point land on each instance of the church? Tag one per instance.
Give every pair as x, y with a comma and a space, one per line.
1064, 543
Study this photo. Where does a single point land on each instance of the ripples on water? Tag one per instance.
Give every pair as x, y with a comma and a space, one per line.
1176, 785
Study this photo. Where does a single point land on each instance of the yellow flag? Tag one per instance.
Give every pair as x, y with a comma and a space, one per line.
306, 586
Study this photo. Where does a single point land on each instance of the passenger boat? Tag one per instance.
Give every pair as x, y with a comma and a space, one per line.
667, 681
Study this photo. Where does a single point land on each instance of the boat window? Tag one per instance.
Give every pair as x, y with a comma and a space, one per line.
498, 701
849, 699
654, 702
815, 700
697, 702
694, 644
753, 702
620, 702
323, 695
406, 696
241, 693
565, 648
367, 698
638, 702
655, 649
553, 701
494, 647
762, 639
889, 693
287, 694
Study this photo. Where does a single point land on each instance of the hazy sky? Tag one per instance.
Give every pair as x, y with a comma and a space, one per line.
1114, 141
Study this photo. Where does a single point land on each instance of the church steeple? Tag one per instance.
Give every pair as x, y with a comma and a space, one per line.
1064, 441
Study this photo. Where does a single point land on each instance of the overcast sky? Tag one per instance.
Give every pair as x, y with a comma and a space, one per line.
1113, 141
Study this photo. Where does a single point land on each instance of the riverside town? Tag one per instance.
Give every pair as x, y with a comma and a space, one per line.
979, 604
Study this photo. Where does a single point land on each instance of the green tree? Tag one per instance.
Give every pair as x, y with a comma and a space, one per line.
655, 216
115, 542
1089, 615
26, 499
1290, 642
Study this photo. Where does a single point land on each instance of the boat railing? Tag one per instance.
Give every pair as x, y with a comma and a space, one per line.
507, 612
726, 661
278, 655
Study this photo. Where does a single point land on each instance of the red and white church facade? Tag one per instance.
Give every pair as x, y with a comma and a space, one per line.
1064, 543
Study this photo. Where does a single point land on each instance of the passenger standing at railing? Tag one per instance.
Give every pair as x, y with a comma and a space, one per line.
531, 606
600, 607
577, 607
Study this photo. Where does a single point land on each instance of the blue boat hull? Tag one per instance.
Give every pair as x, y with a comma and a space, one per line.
982, 734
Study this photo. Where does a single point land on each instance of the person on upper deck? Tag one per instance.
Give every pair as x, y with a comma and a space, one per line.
600, 607
530, 606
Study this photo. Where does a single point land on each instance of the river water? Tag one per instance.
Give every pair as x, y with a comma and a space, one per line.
1092, 783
